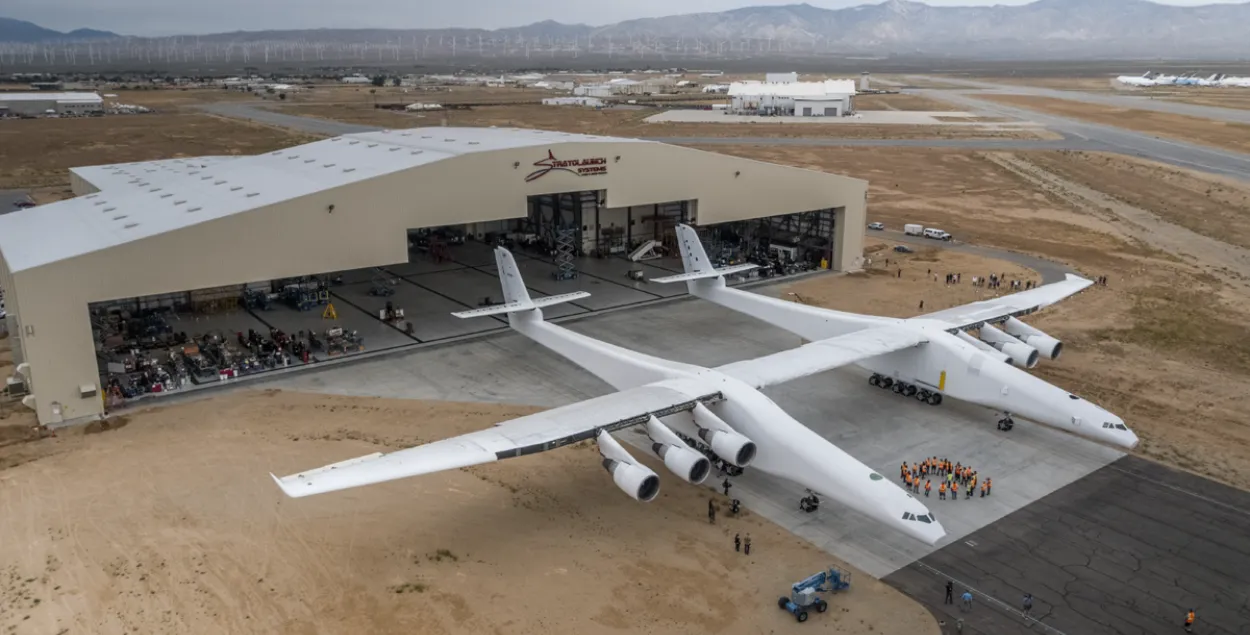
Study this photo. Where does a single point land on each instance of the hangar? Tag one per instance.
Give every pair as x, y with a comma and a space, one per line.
107, 274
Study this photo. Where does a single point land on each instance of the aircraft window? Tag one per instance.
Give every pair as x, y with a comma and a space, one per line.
1106, 424
905, 516
1120, 426
924, 519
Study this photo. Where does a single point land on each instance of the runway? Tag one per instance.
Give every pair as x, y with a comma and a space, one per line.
1125, 550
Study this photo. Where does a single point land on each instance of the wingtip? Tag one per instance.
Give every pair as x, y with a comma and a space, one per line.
280, 484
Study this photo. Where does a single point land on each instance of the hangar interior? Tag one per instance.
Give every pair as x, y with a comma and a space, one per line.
269, 315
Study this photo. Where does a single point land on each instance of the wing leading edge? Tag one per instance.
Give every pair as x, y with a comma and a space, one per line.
970, 316
530, 434
822, 355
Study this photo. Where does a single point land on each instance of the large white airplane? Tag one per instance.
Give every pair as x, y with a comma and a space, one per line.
950, 363
672, 402
1141, 81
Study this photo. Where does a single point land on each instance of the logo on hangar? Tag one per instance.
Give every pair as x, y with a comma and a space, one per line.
591, 166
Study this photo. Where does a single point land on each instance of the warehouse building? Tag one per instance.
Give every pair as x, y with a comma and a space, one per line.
830, 98
34, 104
156, 268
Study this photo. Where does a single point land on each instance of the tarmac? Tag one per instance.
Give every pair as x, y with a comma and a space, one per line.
1125, 550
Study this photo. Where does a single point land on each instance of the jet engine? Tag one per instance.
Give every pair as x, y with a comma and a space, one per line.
726, 443
677, 456
1021, 354
640, 483
1045, 344
984, 348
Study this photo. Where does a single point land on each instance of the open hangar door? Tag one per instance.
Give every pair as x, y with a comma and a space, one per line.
781, 245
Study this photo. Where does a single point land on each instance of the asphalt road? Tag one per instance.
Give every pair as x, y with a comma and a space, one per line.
304, 124
1125, 550
1098, 137
1120, 101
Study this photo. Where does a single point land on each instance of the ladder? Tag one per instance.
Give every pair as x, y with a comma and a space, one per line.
566, 254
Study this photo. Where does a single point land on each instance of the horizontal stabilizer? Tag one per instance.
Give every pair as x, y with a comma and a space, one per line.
523, 305
699, 275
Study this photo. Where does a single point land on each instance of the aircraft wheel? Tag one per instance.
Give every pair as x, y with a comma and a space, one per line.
910, 390
801, 616
782, 602
935, 399
923, 395
875, 380
898, 389
886, 382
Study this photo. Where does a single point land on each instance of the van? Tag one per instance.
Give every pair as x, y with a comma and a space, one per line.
935, 233
912, 229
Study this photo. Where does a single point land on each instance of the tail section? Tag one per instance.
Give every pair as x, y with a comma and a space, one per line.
516, 298
695, 261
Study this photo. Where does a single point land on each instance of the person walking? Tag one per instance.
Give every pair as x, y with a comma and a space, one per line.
967, 600
950, 592
746, 545
727, 485
1027, 605
737, 542
1189, 621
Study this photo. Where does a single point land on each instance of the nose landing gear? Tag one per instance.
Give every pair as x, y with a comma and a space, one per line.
1006, 424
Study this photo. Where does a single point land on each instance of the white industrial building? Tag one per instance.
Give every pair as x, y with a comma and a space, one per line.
31, 104
830, 98
625, 86
589, 102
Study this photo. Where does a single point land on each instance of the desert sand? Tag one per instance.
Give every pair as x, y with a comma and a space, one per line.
167, 522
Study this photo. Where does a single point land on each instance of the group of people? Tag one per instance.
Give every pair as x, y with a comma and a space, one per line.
951, 478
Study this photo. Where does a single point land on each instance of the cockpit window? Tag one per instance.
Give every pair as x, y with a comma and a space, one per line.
924, 519
1121, 426
1073, 397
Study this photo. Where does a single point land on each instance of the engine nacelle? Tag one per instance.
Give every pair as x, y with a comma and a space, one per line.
1021, 354
984, 348
684, 462
1045, 344
640, 483
677, 456
731, 446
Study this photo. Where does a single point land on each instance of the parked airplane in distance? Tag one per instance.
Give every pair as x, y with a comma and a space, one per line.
674, 403
950, 363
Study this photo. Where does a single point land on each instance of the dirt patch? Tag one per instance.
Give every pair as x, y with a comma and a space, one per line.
104, 425
173, 525
901, 102
39, 152
1221, 134
630, 122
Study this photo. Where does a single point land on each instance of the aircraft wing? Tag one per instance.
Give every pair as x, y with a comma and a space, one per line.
822, 355
970, 316
530, 434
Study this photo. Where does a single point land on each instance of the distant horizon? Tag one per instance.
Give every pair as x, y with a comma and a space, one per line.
155, 18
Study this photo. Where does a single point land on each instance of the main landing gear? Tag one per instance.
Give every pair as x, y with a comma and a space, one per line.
906, 389
1006, 424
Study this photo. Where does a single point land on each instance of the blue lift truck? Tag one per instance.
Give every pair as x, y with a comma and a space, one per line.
803, 593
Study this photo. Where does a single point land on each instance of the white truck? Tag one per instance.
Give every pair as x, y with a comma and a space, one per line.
913, 230
936, 234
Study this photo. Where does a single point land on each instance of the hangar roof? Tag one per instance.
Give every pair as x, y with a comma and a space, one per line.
138, 201
793, 89
42, 96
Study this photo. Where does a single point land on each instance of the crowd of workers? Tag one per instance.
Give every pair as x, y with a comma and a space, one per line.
952, 478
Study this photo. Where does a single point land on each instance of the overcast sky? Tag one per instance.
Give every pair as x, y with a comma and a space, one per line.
167, 17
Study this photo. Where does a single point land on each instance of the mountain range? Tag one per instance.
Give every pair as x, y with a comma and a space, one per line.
1064, 28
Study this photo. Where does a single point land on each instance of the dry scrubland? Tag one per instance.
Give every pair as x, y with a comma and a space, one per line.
39, 152
169, 523
1164, 345
901, 102
1232, 136
629, 122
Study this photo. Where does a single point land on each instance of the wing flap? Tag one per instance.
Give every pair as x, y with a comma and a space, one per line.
970, 316
822, 355
530, 434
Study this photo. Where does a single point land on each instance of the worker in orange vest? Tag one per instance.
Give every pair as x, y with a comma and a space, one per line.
942, 490
907, 479
983, 488
989, 484
1189, 621
928, 486
902, 470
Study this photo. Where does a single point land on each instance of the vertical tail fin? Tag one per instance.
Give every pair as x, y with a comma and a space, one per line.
696, 263
514, 290
516, 298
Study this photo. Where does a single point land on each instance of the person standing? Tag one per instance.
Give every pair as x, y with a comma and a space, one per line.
928, 487
942, 491
727, 485
967, 600
711, 511
737, 542
950, 592
989, 486
1027, 605
746, 545
1189, 621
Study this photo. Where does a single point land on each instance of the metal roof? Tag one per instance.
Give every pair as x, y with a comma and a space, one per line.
119, 175
134, 203
793, 89
85, 97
